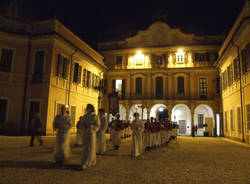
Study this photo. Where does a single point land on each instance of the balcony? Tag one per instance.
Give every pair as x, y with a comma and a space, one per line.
168, 96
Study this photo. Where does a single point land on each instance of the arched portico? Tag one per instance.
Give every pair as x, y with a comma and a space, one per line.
155, 110
181, 113
203, 114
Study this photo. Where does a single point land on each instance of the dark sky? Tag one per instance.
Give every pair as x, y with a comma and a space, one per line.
94, 20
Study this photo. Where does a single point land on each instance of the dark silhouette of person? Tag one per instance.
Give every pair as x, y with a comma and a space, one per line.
36, 129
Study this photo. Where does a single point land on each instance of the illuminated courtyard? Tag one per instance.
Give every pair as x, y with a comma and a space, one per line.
186, 160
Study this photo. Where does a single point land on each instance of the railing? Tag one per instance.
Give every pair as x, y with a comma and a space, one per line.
168, 96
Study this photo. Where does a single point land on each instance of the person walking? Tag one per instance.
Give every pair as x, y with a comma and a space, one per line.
116, 127
36, 129
89, 124
137, 127
62, 125
100, 135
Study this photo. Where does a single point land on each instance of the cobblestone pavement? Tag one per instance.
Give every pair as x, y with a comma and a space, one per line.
186, 160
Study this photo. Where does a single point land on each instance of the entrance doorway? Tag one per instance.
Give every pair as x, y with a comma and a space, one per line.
182, 126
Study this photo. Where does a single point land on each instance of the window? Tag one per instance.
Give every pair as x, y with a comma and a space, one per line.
180, 57
225, 120
239, 118
138, 85
93, 81
118, 86
3, 110
245, 54
159, 87
203, 87
224, 80
59, 107
77, 73
84, 80
88, 82
159, 60
248, 116
6, 60
38, 67
230, 74
180, 85
62, 67
200, 120
39, 59
118, 60
232, 119
236, 64
202, 56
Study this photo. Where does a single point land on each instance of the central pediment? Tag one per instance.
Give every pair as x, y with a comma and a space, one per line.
160, 34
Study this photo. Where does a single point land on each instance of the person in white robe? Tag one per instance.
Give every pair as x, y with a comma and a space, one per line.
137, 127
116, 127
89, 124
100, 135
62, 125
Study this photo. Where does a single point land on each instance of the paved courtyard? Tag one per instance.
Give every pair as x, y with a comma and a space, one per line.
186, 160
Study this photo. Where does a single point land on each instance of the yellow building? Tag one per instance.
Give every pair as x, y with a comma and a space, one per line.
234, 67
162, 67
42, 66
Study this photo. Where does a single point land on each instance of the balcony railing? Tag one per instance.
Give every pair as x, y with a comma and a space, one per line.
168, 96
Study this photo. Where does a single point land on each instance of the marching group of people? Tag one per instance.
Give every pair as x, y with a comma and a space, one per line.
91, 130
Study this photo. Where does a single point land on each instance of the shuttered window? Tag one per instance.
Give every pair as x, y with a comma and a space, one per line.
62, 67
77, 73
225, 120
180, 85
248, 116
203, 87
232, 119
236, 68
200, 120
39, 61
6, 60
88, 82
239, 118
84, 78
138, 85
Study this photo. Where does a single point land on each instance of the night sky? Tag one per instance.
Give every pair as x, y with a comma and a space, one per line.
104, 20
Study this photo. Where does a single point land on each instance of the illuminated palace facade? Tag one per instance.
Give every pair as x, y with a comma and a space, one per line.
234, 70
161, 68
43, 66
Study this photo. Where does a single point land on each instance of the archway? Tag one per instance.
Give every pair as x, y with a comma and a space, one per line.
156, 109
137, 108
203, 115
182, 115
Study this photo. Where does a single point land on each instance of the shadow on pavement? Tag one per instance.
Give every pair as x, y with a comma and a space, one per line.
35, 164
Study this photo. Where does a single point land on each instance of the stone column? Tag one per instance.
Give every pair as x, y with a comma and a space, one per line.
192, 107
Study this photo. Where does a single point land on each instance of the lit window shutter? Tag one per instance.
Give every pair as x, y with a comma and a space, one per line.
79, 74
59, 66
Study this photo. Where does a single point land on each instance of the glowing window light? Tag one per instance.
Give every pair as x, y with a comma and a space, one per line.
180, 56
139, 60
